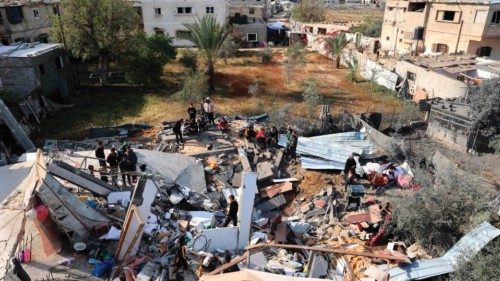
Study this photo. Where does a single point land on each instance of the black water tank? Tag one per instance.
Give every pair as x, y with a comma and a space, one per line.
419, 33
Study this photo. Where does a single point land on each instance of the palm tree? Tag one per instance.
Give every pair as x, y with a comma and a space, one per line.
209, 36
335, 45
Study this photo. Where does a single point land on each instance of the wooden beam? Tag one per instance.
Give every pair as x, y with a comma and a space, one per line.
239, 259
400, 258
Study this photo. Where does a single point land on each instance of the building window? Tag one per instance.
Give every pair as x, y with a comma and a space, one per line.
495, 19
210, 10
416, 7
440, 48
387, 38
59, 62
42, 69
1, 18
36, 13
484, 51
157, 11
182, 34
184, 10
251, 11
400, 40
447, 16
55, 10
252, 37
321, 30
411, 76
159, 32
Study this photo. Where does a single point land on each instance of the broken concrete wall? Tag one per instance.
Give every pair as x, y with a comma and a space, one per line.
225, 238
246, 198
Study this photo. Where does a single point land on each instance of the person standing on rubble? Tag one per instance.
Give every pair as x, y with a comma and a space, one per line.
178, 131
273, 137
192, 113
132, 159
232, 214
99, 154
180, 258
208, 108
112, 160
124, 165
349, 170
291, 147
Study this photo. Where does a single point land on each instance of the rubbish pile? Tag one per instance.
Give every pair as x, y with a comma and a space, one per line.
235, 198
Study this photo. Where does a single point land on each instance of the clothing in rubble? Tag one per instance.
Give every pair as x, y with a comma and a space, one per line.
178, 131
261, 138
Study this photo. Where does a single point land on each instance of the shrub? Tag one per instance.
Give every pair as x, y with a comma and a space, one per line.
482, 266
266, 55
195, 87
438, 216
189, 59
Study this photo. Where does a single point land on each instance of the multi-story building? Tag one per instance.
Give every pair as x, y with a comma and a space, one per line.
26, 20
169, 16
444, 26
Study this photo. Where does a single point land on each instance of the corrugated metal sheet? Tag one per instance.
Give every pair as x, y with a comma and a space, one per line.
348, 136
329, 151
464, 249
320, 164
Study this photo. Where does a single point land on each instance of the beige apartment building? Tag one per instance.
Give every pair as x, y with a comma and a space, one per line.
442, 26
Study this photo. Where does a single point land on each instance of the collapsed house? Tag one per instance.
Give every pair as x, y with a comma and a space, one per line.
175, 210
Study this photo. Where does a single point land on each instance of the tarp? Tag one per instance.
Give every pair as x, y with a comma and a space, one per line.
276, 25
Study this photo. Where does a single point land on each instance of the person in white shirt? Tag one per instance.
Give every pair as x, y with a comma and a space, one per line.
208, 108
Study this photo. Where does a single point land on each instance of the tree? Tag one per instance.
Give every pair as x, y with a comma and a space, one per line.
371, 26
96, 28
438, 215
146, 57
353, 66
295, 56
312, 96
195, 87
309, 11
209, 36
229, 48
335, 46
485, 103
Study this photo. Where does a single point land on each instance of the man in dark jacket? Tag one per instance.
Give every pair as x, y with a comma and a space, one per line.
132, 159
178, 131
112, 160
192, 113
349, 170
99, 153
232, 214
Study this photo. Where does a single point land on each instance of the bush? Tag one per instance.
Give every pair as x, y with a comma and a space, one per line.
195, 87
438, 216
371, 27
312, 96
309, 11
266, 55
189, 59
295, 56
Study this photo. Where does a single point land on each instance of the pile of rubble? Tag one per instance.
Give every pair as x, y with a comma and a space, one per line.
172, 222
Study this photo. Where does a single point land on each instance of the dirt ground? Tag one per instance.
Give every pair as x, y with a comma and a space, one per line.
120, 104
352, 13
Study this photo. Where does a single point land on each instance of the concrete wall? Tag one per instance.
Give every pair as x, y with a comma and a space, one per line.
22, 75
32, 28
455, 139
259, 12
170, 21
265, 5
433, 83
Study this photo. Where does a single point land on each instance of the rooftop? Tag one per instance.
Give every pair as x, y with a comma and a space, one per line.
24, 50
6, 3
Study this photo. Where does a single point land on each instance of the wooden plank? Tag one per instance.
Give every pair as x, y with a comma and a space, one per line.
401, 258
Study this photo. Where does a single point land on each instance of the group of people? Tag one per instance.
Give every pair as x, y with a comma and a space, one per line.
270, 138
194, 123
122, 162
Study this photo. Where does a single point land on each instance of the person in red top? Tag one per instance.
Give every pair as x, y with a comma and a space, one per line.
261, 138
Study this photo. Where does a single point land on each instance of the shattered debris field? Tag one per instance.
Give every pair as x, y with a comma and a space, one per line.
96, 107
